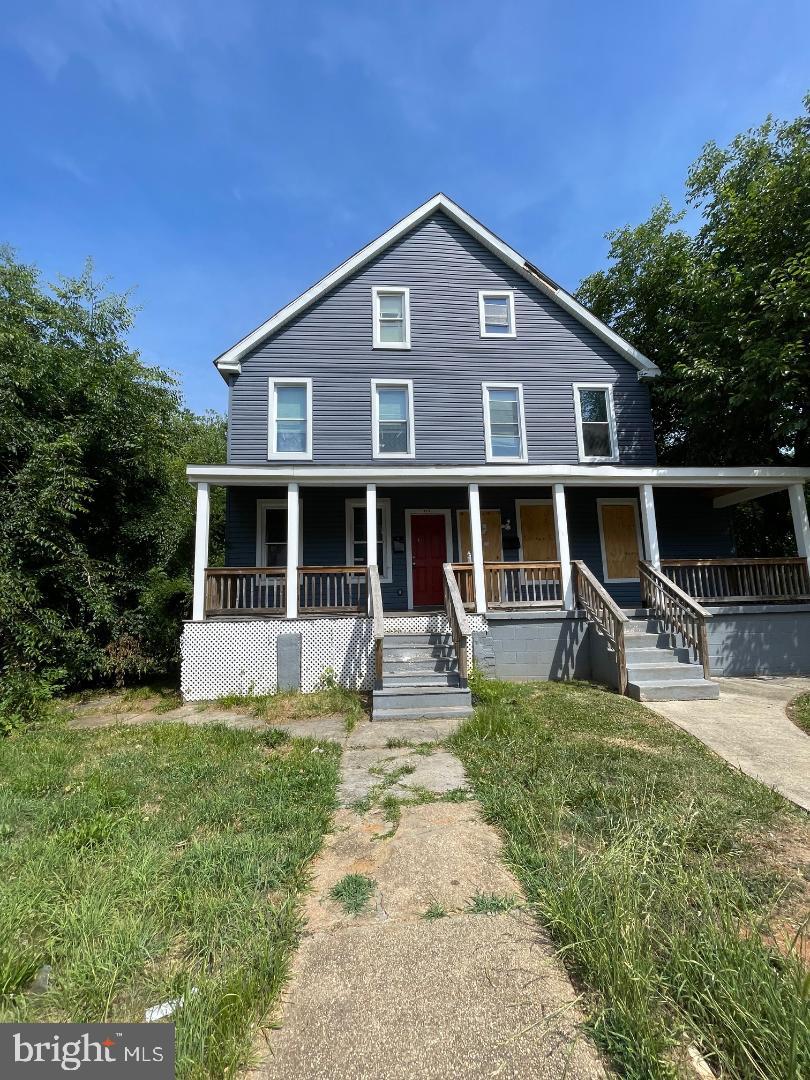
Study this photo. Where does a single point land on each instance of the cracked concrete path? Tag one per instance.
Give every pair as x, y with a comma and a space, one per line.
390, 995
748, 725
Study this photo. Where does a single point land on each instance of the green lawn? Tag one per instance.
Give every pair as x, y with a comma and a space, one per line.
800, 712
655, 868
143, 862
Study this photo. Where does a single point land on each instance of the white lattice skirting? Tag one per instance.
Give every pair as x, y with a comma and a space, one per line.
239, 656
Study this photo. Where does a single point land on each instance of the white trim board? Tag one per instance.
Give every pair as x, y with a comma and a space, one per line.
384, 505
772, 477
448, 534
639, 540
229, 361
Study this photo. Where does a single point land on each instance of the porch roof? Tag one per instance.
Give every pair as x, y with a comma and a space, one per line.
732, 483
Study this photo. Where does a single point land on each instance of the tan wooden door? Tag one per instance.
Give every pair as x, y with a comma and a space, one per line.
490, 527
620, 540
537, 535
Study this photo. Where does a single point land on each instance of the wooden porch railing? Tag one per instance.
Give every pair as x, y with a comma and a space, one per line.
233, 590
681, 614
332, 588
375, 607
459, 623
512, 584
602, 610
730, 580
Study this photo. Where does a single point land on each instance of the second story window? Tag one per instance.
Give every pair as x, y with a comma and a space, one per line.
392, 317
392, 418
596, 423
497, 314
504, 425
290, 434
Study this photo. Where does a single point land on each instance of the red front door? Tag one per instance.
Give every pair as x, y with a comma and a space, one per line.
428, 552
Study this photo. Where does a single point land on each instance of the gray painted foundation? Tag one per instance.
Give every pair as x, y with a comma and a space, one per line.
534, 645
288, 661
754, 640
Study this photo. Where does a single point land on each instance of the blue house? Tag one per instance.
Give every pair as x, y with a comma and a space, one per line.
437, 454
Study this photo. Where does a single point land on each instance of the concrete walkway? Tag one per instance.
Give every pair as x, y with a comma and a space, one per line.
748, 726
391, 995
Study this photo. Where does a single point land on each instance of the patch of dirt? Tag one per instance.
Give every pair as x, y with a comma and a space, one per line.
786, 849
632, 744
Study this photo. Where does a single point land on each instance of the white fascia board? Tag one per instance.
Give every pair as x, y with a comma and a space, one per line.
769, 477
229, 361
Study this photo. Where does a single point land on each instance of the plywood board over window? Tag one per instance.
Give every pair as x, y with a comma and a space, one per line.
538, 539
620, 537
490, 527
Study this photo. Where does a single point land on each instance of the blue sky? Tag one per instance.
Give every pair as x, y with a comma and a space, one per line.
218, 157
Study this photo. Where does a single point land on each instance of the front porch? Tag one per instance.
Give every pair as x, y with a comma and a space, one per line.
504, 552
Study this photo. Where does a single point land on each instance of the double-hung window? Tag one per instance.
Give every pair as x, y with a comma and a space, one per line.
290, 419
504, 424
392, 418
496, 311
392, 317
356, 546
596, 422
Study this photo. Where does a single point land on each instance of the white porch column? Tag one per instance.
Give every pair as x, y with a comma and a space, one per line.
292, 551
649, 526
563, 550
371, 524
477, 550
200, 550
801, 525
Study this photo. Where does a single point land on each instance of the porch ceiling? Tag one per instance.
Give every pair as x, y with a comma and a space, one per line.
731, 482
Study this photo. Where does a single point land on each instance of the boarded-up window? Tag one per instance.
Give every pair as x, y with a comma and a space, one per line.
619, 529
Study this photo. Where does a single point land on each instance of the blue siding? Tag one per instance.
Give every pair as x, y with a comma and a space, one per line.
688, 526
444, 268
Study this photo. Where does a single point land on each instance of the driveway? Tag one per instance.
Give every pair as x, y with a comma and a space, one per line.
749, 727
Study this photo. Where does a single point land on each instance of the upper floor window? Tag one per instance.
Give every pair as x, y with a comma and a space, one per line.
290, 433
392, 418
504, 423
392, 317
596, 422
497, 314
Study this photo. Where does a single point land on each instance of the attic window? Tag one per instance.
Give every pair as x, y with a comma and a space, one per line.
392, 317
497, 314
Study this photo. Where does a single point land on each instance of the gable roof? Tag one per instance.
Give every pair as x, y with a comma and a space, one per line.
230, 361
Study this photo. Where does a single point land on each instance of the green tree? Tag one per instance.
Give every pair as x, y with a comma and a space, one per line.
724, 310
96, 520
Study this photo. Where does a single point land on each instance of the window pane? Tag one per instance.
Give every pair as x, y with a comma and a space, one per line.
596, 440
359, 533
393, 403
392, 305
275, 525
392, 331
291, 436
496, 315
505, 445
504, 423
291, 402
593, 406
394, 438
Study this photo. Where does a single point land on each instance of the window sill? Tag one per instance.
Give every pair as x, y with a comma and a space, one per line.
397, 348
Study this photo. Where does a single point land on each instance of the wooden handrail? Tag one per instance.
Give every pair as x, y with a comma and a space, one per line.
245, 590
677, 610
602, 610
725, 580
333, 588
459, 623
375, 604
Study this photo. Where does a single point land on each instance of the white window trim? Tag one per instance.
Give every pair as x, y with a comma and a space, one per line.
277, 504
275, 455
406, 384
498, 294
448, 543
614, 442
617, 502
485, 389
376, 290
386, 570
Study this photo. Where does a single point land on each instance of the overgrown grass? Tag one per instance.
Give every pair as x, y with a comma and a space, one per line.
800, 712
142, 862
492, 904
292, 705
640, 852
353, 892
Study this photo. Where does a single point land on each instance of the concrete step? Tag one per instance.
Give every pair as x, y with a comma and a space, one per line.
427, 666
418, 639
637, 640
444, 712
673, 690
419, 678
664, 671
418, 653
419, 697
654, 654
